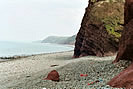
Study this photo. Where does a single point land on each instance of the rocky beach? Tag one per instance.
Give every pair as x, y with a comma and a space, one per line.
29, 72
101, 51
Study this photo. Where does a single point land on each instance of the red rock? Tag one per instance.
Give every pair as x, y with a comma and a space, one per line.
85, 75
81, 75
53, 75
124, 79
125, 52
126, 42
88, 83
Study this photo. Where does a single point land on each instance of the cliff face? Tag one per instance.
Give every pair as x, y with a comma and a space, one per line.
125, 52
126, 42
100, 29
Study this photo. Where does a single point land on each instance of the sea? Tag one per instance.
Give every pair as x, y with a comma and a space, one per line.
9, 49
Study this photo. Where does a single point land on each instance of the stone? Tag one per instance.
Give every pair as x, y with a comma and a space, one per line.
54, 65
53, 75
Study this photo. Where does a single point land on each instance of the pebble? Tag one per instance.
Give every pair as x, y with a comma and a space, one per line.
70, 78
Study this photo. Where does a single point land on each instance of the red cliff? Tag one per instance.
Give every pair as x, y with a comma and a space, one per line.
125, 78
100, 29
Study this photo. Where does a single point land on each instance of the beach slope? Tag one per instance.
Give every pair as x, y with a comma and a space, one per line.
29, 72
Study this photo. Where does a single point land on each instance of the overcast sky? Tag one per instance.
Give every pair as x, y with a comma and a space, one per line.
30, 20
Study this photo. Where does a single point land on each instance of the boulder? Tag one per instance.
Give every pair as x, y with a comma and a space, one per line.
53, 75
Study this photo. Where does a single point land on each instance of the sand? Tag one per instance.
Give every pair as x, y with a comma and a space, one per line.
29, 72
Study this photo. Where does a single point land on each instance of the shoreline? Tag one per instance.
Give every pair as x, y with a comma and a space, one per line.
29, 72
16, 57
14, 50
18, 69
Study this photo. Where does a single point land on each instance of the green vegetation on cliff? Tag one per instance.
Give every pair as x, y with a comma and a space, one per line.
111, 14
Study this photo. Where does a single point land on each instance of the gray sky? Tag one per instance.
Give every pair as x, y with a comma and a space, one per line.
29, 20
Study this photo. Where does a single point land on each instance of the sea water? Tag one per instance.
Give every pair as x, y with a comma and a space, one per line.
20, 48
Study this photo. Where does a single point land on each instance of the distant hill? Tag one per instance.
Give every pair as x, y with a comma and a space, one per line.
38, 41
60, 40
70, 40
